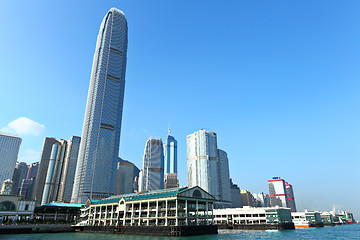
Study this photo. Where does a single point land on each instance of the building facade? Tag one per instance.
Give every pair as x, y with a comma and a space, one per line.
152, 173
277, 191
171, 181
224, 176
168, 207
247, 199
126, 173
20, 173
9, 150
264, 199
99, 148
235, 195
170, 154
279, 218
42, 169
68, 169
202, 162
55, 176
290, 196
32, 170
12, 207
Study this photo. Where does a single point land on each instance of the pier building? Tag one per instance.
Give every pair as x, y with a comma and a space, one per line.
168, 207
254, 218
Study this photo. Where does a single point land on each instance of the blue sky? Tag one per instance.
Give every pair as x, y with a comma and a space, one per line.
278, 81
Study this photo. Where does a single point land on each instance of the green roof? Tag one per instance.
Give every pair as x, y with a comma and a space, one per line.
60, 204
142, 196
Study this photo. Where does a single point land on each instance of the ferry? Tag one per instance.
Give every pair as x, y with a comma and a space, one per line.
301, 223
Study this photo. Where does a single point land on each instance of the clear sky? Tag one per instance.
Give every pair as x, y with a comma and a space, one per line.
278, 81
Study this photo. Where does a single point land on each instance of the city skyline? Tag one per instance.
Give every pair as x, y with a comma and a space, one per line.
287, 92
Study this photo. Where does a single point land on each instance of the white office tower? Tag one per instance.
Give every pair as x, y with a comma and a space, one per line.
202, 162
151, 176
277, 190
9, 150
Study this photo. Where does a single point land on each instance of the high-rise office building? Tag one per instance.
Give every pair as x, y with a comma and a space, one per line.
247, 199
55, 176
126, 173
170, 154
290, 196
224, 176
235, 195
277, 191
68, 170
202, 162
53, 173
42, 169
32, 170
9, 150
20, 173
26, 189
99, 148
264, 199
152, 174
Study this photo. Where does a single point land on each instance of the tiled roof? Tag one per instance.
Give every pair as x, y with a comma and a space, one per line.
60, 204
142, 196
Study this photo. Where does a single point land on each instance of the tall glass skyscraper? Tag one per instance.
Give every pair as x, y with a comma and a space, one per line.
151, 176
99, 149
9, 150
224, 176
170, 154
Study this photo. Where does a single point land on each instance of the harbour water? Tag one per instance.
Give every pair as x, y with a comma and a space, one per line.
337, 232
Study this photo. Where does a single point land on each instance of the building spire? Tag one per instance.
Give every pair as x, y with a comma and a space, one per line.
169, 130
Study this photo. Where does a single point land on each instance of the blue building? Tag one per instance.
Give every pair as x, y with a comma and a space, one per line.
99, 148
170, 154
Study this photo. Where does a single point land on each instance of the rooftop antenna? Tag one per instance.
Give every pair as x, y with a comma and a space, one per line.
169, 130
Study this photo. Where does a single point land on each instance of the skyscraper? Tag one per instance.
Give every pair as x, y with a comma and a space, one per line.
9, 150
202, 162
247, 199
55, 176
20, 173
32, 170
99, 149
69, 168
290, 196
170, 154
224, 176
235, 195
277, 191
126, 173
152, 174
53, 173
42, 169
